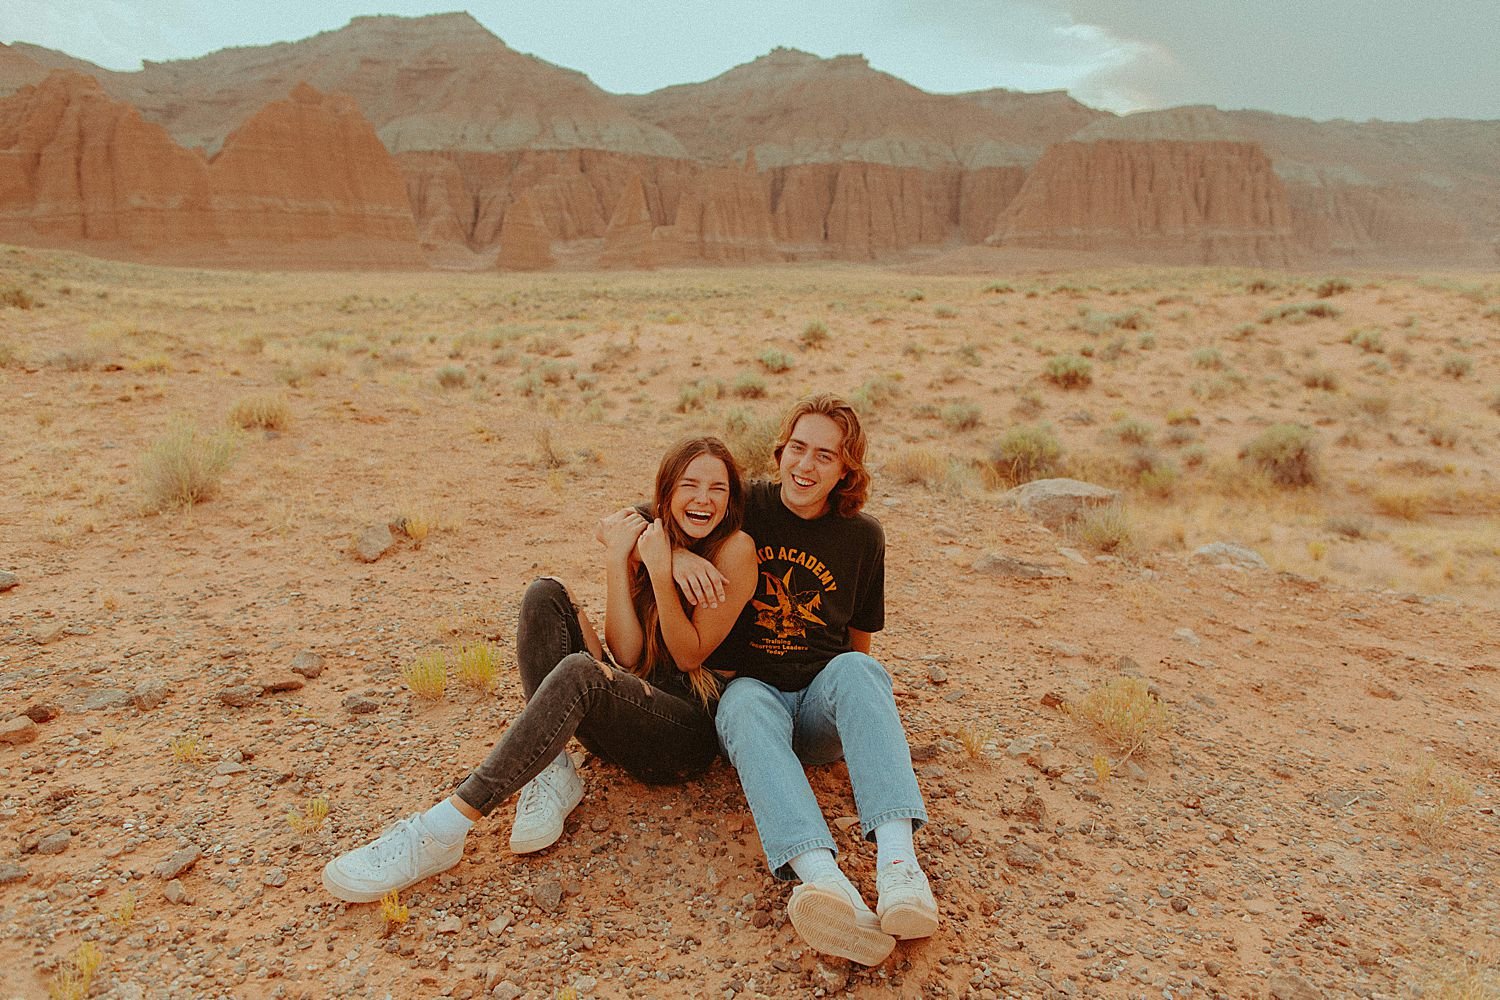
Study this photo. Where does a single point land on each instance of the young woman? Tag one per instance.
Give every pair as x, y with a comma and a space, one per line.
647, 705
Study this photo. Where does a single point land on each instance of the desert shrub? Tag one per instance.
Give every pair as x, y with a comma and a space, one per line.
16, 297
9, 354
1132, 431
1182, 415
968, 354
74, 979
1126, 713
1286, 453
1320, 378
267, 411
1401, 357
749, 386
1300, 312
945, 312
1458, 366
814, 335
1369, 341
1129, 319
1194, 455
752, 440
998, 289
185, 466
1208, 357
1493, 402
1259, 286
1333, 286
452, 376
1348, 526
1407, 505
961, 416
1179, 435
775, 361
917, 465
475, 665
1028, 404
875, 392
914, 295
427, 676
1374, 405
1441, 435
1430, 799
1105, 529
1146, 341
1069, 371
612, 355
697, 395
1026, 453
1155, 476
1217, 387
90, 353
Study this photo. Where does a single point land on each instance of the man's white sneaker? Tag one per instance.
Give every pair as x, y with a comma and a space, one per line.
906, 907
545, 803
404, 854
832, 923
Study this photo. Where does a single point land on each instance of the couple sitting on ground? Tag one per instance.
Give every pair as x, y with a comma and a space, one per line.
693, 663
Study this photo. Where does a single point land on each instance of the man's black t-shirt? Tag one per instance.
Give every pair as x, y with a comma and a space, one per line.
817, 579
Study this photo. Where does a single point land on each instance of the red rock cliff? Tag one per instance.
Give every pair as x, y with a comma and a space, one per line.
1193, 202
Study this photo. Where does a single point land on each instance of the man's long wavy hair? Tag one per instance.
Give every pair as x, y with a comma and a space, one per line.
849, 496
673, 466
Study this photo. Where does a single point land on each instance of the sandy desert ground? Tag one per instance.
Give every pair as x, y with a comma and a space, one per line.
1317, 819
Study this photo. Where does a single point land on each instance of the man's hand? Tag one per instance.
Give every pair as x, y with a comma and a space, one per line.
699, 580
619, 532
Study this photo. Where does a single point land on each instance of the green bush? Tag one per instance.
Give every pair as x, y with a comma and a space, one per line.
1025, 453
961, 416
1332, 287
775, 361
1208, 357
1369, 341
750, 386
1458, 366
1286, 453
1069, 371
814, 335
752, 440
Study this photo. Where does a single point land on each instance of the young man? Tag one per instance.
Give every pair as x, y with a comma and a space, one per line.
808, 692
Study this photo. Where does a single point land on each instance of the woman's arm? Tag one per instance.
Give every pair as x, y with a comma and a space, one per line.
622, 630
690, 640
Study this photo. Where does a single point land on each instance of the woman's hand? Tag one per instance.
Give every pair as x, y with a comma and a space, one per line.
619, 532
655, 551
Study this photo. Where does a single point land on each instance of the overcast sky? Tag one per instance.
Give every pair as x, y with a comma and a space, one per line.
1393, 59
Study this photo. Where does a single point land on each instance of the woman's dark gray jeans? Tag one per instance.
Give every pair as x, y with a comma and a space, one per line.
658, 736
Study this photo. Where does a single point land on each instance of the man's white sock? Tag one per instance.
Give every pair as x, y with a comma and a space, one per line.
893, 843
446, 823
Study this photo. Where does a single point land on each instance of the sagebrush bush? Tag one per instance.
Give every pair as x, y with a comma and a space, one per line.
1458, 366
1208, 357
1332, 287
1369, 341
814, 335
917, 465
1126, 713
752, 440
1106, 528
185, 465
1069, 371
265, 411
16, 297
427, 676
749, 386
1026, 453
1132, 431
961, 416
775, 361
1286, 453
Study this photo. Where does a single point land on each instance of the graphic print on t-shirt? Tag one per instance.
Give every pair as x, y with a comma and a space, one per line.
788, 603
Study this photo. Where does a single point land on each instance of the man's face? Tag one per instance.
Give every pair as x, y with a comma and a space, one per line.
810, 466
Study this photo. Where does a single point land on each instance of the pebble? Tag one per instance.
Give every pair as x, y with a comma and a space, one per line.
44, 635
937, 674
1290, 986
497, 926
239, 695
106, 699
42, 711
54, 843
149, 694
1188, 636
547, 896
599, 824
275, 877
373, 542
308, 664
282, 682
12, 873
179, 863
174, 892
18, 730
360, 704
1021, 856
8, 580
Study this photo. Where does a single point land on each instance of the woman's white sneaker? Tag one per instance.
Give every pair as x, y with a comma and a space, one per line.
832, 923
544, 805
403, 855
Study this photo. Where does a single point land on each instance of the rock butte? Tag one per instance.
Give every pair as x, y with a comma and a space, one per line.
425, 141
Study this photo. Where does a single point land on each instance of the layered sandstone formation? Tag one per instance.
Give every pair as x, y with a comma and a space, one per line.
627, 241
17, 70
304, 180
1190, 202
76, 165
723, 217
525, 241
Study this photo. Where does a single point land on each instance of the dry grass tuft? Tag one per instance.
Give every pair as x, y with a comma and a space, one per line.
427, 676
1106, 529
124, 913
752, 440
917, 464
265, 411
1286, 453
975, 742
1026, 453
310, 816
393, 912
475, 665
74, 980
188, 749
1429, 800
185, 466
1126, 713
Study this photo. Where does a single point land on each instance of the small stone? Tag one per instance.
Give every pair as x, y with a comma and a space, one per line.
1375, 689
18, 730
12, 873
937, 674
960, 834
8, 580
179, 863
1065, 648
1188, 636
599, 824
450, 924
828, 979
1212, 966
760, 919
275, 877
42, 712
374, 542
175, 892
282, 682
360, 704
44, 635
845, 822
308, 664
1020, 746
994, 564
149, 694
106, 699
1258, 907
497, 926
506, 990
1033, 810
239, 695
1053, 699
547, 896
54, 843
1290, 986
1072, 555
1021, 856
1225, 554
1179, 905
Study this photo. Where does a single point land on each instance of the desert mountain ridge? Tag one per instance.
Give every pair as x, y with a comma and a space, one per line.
788, 157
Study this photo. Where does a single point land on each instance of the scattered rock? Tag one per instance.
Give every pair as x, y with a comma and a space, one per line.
44, 635
1033, 810
42, 712
450, 924
179, 863
599, 824
994, 564
360, 704
1188, 636
175, 892
1072, 555
506, 990
498, 925
844, 823
106, 699
1053, 699
1375, 689
1055, 502
1227, 554
282, 682
374, 542
12, 873
18, 730
1021, 856
937, 674
54, 843
1290, 986
547, 896
274, 877
239, 695
149, 694
308, 664
829, 979
8, 580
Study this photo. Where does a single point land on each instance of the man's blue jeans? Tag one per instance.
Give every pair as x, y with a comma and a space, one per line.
847, 711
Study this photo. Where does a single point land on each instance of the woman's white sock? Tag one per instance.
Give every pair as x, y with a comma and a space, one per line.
446, 823
893, 843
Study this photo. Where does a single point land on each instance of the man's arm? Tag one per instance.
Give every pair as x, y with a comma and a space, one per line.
859, 641
699, 580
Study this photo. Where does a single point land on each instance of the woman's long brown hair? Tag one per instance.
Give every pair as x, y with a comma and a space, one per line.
673, 466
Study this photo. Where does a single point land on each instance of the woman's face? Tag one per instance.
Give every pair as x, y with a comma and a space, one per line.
700, 496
